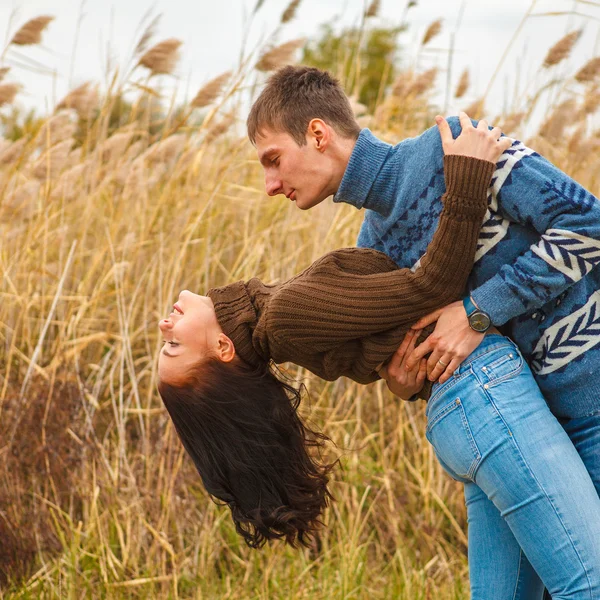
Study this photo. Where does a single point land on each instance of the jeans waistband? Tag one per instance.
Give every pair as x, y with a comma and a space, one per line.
490, 342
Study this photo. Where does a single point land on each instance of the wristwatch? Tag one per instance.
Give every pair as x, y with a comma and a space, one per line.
478, 320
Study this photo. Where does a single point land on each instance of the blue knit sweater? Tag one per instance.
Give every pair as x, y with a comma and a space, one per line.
534, 268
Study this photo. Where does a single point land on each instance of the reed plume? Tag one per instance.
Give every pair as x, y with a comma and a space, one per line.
209, 92
290, 12
83, 99
162, 58
31, 32
3, 72
476, 109
373, 9
463, 84
8, 91
218, 129
13, 152
279, 56
433, 30
561, 49
589, 71
422, 82
512, 121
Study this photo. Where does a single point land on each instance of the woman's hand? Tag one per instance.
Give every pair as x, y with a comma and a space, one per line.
478, 142
400, 381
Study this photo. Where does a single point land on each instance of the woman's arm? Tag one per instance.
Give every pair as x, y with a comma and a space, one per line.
336, 303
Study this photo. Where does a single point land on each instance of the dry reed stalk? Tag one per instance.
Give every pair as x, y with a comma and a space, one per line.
53, 161
279, 56
3, 72
463, 84
290, 12
373, 9
83, 99
476, 109
561, 49
576, 139
57, 128
422, 82
162, 58
433, 30
8, 91
589, 71
210, 91
13, 153
512, 121
31, 32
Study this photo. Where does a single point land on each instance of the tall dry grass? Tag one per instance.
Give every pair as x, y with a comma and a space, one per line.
100, 227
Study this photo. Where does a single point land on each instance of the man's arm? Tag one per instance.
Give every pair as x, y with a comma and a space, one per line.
567, 218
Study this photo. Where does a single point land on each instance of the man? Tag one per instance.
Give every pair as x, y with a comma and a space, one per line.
540, 241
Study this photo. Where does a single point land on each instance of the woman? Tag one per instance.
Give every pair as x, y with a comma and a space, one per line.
346, 314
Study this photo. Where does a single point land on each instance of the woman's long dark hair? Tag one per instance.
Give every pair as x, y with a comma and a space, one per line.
241, 427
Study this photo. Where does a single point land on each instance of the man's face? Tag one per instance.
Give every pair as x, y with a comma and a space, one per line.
302, 173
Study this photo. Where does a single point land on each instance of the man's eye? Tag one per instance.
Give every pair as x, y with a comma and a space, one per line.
275, 161
171, 343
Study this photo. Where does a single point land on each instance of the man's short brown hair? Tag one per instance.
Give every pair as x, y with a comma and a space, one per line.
294, 96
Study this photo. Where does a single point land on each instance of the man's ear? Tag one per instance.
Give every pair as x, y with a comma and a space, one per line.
319, 133
225, 348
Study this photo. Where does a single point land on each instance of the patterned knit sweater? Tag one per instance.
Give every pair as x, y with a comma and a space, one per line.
349, 311
535, 268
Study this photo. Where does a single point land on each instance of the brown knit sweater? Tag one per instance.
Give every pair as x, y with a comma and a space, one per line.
349, 311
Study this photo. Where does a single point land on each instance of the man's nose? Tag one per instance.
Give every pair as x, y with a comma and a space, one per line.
273, 186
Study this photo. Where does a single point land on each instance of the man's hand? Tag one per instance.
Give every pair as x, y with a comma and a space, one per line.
450, 343
400, 381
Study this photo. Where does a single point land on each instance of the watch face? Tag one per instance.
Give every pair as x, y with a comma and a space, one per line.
480, 322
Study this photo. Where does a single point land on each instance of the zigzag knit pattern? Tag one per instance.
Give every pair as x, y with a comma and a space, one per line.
535, 267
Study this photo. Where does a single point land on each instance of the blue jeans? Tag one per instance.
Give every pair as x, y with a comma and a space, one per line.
491, 428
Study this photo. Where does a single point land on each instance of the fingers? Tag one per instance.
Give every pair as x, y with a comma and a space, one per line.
495, 133
422, 373
443, 366
482, 124
428, 319
444, 130
433, 363
401, 353
418, 353
465, 122
450, 369
505, 143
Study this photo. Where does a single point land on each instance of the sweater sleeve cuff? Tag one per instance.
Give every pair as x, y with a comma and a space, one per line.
498, 300
467, 182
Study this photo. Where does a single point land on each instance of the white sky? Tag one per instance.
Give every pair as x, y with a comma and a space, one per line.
211, 32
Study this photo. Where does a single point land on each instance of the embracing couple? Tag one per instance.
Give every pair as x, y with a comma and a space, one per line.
465, 230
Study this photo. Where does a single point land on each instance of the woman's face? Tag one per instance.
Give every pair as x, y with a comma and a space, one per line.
190, 333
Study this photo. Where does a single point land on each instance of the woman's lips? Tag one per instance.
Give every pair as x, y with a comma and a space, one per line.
177, 308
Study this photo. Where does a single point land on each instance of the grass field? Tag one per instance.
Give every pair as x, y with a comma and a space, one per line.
103, 220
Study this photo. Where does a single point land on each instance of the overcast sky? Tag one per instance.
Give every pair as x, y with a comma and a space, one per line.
211, 32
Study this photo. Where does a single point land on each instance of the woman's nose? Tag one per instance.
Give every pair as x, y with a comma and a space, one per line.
165, 324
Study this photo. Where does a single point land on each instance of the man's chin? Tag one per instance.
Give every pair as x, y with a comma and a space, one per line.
304, 204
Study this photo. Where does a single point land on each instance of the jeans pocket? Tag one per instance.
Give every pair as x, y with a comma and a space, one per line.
449, 433
500, 365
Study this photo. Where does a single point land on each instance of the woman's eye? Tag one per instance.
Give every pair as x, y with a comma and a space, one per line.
171, 343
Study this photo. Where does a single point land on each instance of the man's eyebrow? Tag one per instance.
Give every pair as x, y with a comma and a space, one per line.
266, 153
164, 351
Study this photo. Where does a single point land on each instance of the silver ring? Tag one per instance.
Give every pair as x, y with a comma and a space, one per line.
443, 363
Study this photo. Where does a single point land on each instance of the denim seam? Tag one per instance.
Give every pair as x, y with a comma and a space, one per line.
543, 490
443, 388
517, 583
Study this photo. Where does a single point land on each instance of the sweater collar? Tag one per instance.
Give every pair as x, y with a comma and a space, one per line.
366, 161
